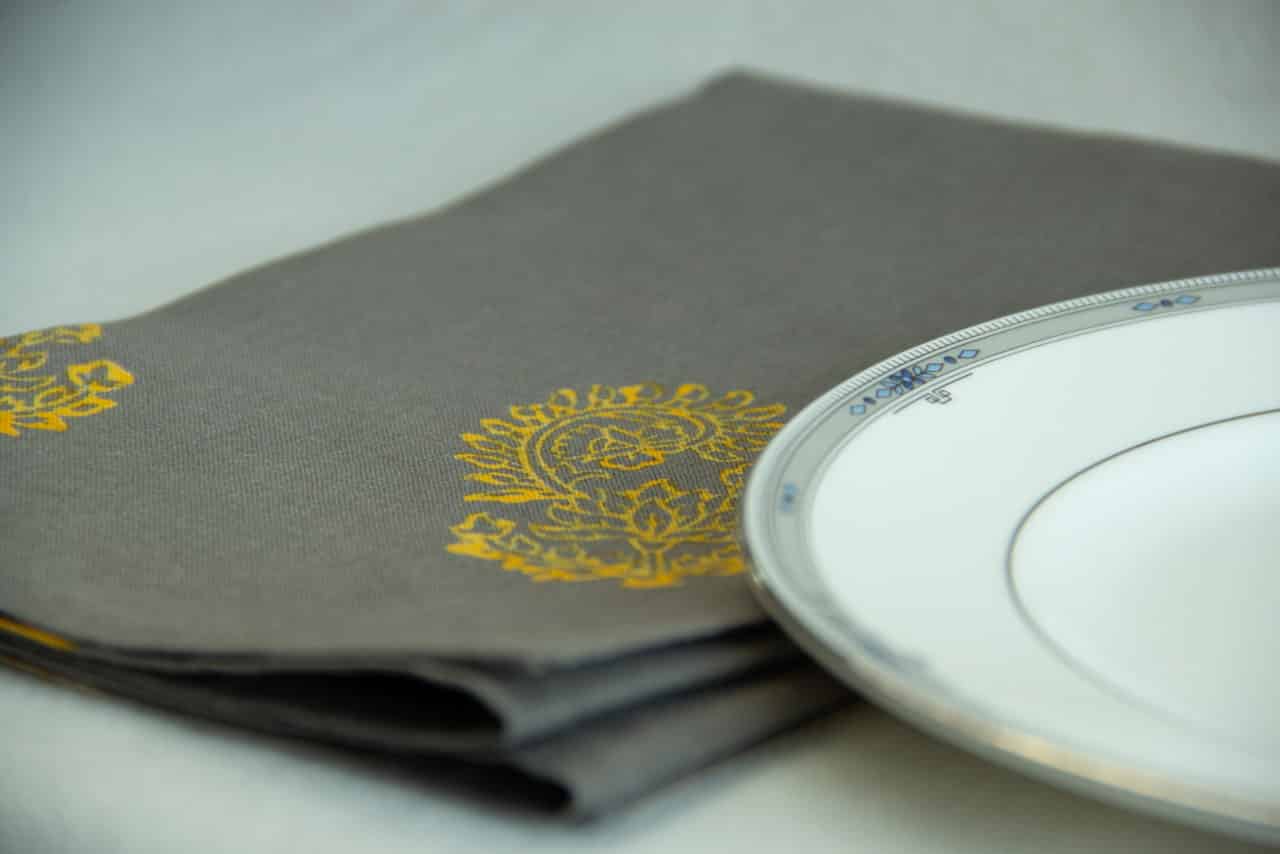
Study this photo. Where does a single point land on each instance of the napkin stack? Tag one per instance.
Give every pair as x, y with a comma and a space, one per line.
466, 485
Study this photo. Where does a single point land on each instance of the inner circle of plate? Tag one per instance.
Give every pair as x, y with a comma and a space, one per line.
881, 523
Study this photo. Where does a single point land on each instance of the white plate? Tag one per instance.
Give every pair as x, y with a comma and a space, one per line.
1055, 539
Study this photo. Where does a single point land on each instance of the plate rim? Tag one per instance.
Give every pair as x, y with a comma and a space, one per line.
1002, 741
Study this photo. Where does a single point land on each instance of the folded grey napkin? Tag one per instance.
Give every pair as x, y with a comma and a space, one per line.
496, 451
585, 769
413, 703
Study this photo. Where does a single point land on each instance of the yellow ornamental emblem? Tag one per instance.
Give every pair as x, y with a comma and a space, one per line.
632, 483
32, 398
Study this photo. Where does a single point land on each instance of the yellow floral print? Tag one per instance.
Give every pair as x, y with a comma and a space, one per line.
604, 471
33, 399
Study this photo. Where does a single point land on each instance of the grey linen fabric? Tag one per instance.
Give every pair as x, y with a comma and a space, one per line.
583, 770
503, 442
420, 704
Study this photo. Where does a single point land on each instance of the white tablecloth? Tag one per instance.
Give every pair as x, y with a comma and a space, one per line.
150, 149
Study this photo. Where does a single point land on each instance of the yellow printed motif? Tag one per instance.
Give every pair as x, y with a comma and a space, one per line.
632, 483
33, 400
35, 635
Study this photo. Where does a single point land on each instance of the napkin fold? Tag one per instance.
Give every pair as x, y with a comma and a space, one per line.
411, 703
467, 484
585, 768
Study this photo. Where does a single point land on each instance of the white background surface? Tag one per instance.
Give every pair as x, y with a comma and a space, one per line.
149, 149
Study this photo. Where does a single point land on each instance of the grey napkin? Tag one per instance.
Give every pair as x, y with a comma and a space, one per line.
411, 702
583, 770
513, 433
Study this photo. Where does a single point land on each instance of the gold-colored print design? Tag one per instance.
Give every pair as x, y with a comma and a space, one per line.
604, 470
35, 635
32, 399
